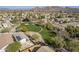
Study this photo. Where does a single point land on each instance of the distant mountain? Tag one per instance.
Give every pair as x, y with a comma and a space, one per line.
4, 9
50, 8
47, 9
15, 9
71, 10
57, 9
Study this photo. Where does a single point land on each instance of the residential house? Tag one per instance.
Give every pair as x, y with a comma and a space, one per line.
23, 39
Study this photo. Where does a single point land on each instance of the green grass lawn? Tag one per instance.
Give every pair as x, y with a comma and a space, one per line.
33, 27
29, 27
46, 35
13, 47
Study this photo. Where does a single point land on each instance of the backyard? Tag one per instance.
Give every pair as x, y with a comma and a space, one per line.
13, 47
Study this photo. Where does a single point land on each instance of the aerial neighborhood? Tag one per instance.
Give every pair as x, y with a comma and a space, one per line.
40, 29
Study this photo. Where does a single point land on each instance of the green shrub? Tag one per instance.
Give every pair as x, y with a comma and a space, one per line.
58, 42
5, 30
73, 45
73, 31
22, 28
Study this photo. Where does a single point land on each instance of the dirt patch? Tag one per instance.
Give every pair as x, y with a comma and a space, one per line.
5, 39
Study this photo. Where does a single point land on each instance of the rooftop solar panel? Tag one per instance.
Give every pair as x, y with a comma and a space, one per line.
18, 38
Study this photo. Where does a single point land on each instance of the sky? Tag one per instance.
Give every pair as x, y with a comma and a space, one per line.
74, 6
17, 7
27, 7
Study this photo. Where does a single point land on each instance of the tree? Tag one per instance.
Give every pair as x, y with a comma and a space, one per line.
22, 28
41, 17
73, 45
49, 26
26, 20
73, 31
58, 42
35, 37
15, 20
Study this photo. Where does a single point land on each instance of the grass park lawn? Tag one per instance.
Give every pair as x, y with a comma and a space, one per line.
46, 35
33, 27
36, 28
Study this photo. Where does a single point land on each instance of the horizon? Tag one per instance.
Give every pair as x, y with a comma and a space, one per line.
30, 7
